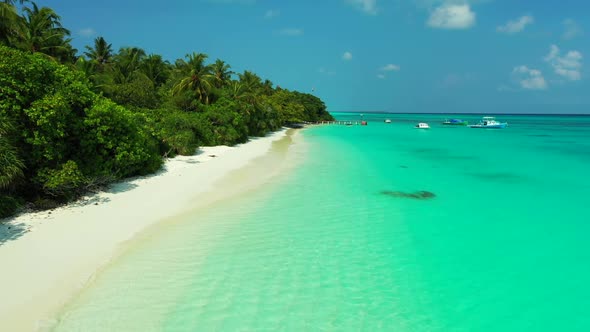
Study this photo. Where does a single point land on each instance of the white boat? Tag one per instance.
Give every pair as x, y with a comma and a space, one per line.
422, 125
387, 121
489, 122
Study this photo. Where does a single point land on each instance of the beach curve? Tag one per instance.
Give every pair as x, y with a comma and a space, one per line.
48, 257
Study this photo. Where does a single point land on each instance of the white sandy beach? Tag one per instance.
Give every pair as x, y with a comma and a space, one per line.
47, 257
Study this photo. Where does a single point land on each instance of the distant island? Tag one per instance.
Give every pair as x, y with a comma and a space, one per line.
71, 123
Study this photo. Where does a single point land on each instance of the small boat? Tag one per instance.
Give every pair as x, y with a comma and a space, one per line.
455, 122
387, 121
422, 125
489, 122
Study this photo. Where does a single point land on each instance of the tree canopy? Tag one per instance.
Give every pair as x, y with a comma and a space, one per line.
72, 122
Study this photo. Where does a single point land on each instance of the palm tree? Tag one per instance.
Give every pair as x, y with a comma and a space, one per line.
13, 2
235, 90
86, 66
221, 71
101, 53
10, 22
195, 76
156, 69
251, 87
10, 164
126, 64
250, 81
42, 32
267, 88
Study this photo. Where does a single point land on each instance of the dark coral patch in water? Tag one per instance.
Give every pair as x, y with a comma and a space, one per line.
413, 195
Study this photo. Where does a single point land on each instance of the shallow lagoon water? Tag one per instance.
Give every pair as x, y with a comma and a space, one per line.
502, 246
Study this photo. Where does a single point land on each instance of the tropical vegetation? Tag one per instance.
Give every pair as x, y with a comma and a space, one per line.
72, 122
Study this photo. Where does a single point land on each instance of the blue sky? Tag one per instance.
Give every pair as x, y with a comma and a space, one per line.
524, 56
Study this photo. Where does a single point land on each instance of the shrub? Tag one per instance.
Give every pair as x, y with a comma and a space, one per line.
140, 92
66, 182
228, 125
8, 205
114, 143
177, 131
10, 164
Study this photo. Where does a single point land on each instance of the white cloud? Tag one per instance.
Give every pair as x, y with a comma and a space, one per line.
452, 16
390, 67
387, 68
530, 79
272, 13
572, 29
516, 25
291, 32
347, 56
87, 32
568, 66
367, 6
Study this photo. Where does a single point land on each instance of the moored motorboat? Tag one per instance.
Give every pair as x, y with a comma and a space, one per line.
422, 125
387, 121
455, 122
489, 122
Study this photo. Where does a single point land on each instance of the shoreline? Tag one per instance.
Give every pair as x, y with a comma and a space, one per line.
48, 257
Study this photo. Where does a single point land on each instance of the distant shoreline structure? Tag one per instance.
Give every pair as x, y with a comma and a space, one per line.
455, 113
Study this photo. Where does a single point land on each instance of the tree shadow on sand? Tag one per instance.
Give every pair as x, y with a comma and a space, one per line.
121, 187
93, 200
10, 232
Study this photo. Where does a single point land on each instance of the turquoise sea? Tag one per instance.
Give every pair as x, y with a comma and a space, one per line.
342, 242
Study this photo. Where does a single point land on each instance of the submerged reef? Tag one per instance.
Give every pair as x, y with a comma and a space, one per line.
413, 195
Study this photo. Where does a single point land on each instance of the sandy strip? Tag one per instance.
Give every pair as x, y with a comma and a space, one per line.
47, 257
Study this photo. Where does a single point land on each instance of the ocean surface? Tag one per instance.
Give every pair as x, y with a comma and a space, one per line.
378, 228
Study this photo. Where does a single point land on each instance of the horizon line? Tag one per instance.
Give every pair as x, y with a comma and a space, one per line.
461, 113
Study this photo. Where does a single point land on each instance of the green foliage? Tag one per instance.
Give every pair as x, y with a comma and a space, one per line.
113, 142
194, 75
9, 22
46, 102
314, 107
156, 69
179, 132
228, 124
68, 129
24, 78
67, 135
8, 205
101, 53
39, 30
287, 111
65, 182
138, 92
10, 163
